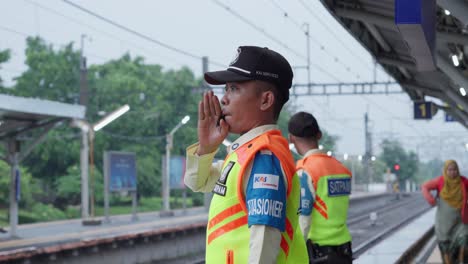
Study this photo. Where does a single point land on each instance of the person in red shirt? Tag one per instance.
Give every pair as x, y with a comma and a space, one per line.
452, 215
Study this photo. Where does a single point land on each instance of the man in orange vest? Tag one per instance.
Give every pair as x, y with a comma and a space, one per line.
325, 190
253, 213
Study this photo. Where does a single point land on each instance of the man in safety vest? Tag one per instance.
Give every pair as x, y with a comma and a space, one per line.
325, 190
253, 216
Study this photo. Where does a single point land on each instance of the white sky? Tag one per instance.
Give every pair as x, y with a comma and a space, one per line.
206, 28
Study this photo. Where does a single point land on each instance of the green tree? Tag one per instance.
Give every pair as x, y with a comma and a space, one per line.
4, 57
378, 167
393, 153
158, 101
69, 187
51, 74
328, 141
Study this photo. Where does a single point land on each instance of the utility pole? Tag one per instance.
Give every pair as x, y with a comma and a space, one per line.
368, 149
204, 69
308, 54
83, 75
166, 180
375, 70
13, 146
207, 196
84, 154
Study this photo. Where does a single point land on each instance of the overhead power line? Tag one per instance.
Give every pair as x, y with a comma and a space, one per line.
270, 36
263, 31
317, 42
9, 30
13, 31
317, 17
141, 35
77, 21
395, 117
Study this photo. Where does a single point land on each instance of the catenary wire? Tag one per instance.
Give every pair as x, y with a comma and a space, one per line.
141, 35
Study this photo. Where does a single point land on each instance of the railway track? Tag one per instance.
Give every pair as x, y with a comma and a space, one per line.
367, 233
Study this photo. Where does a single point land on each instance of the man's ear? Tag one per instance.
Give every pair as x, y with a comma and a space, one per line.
267, 100
318, 136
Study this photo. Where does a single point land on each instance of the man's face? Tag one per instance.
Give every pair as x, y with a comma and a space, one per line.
241, 106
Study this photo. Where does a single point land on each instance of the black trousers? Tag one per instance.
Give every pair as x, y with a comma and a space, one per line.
341, 254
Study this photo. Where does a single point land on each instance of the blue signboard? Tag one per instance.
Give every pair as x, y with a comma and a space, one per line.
424, 110
122, 171
449, 118
177, 172
416, 22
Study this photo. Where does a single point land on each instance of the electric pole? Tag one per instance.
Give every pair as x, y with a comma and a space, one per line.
368, 150
84, 154
308, 54
207, 196
83, 75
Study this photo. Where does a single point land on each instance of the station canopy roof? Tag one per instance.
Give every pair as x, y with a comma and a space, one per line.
372, 23
19, 115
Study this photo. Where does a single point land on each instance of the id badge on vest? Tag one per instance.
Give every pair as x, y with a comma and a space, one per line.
220, 187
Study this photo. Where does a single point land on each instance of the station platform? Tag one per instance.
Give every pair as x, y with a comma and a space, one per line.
389, 250
435, 257
57, 232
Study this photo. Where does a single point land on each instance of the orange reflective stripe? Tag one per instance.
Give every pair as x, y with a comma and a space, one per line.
289, 229
284, 243
321, 202
284, 246
227, 228
230, 257
321, 211
224, 214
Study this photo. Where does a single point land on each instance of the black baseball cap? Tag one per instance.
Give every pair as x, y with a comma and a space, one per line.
256, 63
303, 124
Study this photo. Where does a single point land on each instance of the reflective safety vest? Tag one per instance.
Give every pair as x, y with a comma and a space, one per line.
228, 234
332, 184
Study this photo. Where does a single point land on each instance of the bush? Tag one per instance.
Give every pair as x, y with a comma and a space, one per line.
46, 212
73, 212
69, 188
26, 217
198, 199
29, 187
150, 203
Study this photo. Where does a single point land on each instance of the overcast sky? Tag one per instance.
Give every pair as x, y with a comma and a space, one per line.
207, 28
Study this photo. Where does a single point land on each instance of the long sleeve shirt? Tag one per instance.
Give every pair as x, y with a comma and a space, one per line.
426, 189
201, 176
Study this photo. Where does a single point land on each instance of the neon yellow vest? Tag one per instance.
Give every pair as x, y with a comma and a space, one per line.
328, 218
227, 232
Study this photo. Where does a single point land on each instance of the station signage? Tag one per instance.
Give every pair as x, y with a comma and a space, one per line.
424, 110
449, 118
